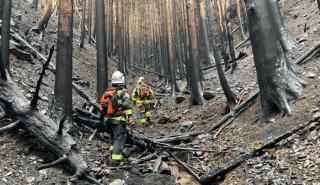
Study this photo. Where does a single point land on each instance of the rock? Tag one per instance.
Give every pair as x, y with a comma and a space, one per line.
311, 75
312, 136
118, 182
208, 95
316, 109
316, 115
30, 179
198, 153
175, 171
164, 168
180, 99
19, 17
185, 126
163, 119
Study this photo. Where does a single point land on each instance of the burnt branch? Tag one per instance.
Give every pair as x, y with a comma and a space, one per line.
36, 97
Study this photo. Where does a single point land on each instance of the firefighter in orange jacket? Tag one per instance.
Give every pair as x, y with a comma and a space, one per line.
143, 97
117, 109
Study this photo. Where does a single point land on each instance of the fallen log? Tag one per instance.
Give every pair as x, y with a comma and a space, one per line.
210, 177
43, 129
186, 167
301, 59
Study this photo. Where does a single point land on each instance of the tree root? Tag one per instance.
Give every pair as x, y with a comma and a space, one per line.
54, 163
10, 128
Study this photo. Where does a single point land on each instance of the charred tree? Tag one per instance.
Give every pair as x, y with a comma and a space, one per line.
230, 96
90, 21
170, 42
102, 67
194, 66
45, 17
277, 76
239, 13
42, 129
83, 23
204, 32
63, 78
1, 9
5, 33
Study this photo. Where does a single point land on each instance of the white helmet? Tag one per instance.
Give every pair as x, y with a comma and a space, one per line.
117, 78
141, 79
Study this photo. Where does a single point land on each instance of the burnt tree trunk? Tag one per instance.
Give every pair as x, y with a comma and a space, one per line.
204, 32
83, 23
194, 66
45, 16
231, 98
42, 128
171, 62
5, 33
63, 78
277, 76
1, 9
102, 67
239, 13
89, 21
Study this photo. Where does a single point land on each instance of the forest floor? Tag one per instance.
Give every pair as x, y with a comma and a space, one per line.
296, 162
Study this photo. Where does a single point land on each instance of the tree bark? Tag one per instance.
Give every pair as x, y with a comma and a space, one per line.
63, 78
83, 23
45, 16
43, 129
90, 21
204, 32
194, 66
1, 9
277, 76
5, 33
230, 96
172, 66
318, 1
102, 67
239, 12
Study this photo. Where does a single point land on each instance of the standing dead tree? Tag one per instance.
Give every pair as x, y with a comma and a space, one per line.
277, 76
5, 33
194, 66
102, 67
83, 23
43, 22
63, 78
230, 96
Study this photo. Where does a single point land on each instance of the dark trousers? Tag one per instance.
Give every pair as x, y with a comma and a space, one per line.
117, 131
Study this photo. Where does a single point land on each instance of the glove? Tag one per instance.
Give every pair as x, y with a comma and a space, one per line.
130, 120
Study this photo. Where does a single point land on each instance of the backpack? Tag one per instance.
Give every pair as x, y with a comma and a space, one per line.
109, 102
144, 91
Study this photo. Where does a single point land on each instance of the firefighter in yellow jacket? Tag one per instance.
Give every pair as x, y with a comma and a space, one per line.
143, 97
116, 107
